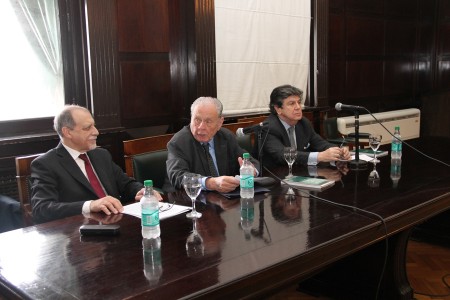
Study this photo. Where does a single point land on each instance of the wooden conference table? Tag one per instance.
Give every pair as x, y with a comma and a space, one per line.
288, 239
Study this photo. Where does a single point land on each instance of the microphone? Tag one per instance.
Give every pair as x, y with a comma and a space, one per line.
339, 106
250, 129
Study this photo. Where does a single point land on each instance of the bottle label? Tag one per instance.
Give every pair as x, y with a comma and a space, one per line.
248, 213
150, 218
396, 147
246, 181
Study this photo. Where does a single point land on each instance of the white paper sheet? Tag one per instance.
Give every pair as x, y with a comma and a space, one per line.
134, 209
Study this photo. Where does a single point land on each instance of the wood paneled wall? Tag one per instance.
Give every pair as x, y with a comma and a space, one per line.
387, 55
377, 50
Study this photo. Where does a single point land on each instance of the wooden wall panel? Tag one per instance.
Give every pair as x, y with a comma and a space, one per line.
364, 79
398, 78
143, 25
145, 91
104, 71
358, 39
367, 6
406, 45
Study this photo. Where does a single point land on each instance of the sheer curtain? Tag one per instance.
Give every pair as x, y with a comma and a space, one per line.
32, 75
260, 44
42, 30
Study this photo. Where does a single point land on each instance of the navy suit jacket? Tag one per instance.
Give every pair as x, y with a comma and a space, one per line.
186, 155
277, 138
59, 188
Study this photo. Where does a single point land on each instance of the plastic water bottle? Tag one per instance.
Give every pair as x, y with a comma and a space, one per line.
246, 178
150, 212
396, 171
396, 146
247, 215
151, 250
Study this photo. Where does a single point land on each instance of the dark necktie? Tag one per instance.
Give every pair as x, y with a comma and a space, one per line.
291, 131
95, 183
211, 166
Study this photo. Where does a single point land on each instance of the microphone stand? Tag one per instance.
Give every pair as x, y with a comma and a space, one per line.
259, 152
357, 164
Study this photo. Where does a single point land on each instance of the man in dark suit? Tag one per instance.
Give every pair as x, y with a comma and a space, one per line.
190, 147
286, 115
63, 184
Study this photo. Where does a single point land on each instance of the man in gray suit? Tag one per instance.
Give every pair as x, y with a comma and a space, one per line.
286, 114
203, 147
62, 183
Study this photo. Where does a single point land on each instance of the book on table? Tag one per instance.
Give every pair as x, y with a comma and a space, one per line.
308, 183
369, 152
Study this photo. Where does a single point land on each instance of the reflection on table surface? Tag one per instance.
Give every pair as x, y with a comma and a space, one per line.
284, 233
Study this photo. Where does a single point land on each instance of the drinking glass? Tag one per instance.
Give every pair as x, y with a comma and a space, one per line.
192, 185
374, 178
290, 154
374, 142
194, 242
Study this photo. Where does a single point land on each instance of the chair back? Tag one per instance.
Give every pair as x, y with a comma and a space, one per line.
145, 158
246, 142
23, 173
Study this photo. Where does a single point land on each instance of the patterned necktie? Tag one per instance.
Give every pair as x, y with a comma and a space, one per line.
291, 131
95, 183
211, 166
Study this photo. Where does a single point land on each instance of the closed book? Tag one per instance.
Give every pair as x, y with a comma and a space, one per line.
369, 152
308, 183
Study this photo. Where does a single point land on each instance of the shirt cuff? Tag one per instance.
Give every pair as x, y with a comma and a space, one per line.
204, 183
86, 207
312, 158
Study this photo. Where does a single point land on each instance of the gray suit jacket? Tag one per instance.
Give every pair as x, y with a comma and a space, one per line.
59, 188
186, 155
277, 138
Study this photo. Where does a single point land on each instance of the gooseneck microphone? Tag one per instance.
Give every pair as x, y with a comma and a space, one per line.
250, 129
339, 106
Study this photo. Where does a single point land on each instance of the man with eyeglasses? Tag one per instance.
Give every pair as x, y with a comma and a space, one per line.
204, 148
288, 128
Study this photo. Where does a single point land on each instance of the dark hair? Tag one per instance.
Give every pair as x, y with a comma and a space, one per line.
282, 92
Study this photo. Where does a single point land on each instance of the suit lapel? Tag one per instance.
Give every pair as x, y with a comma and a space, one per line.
69, 164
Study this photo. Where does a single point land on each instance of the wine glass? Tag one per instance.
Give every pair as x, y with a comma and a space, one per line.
290, 154
374, 142
192, 185
194, 242
374, 178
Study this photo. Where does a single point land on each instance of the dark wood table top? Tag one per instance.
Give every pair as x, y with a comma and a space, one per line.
289, 238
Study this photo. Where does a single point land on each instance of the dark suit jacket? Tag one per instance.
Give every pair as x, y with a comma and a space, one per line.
186, 155
10, 214
59, 188
277, 138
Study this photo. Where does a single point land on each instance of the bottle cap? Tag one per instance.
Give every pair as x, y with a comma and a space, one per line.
148, 182
246, 155
397, 127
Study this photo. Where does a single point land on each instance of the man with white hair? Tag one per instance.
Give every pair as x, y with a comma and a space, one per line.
204, 148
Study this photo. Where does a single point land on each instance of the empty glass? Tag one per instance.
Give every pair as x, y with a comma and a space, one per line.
192, 185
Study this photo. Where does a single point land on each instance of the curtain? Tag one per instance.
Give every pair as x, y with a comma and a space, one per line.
42, 29
260, 45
